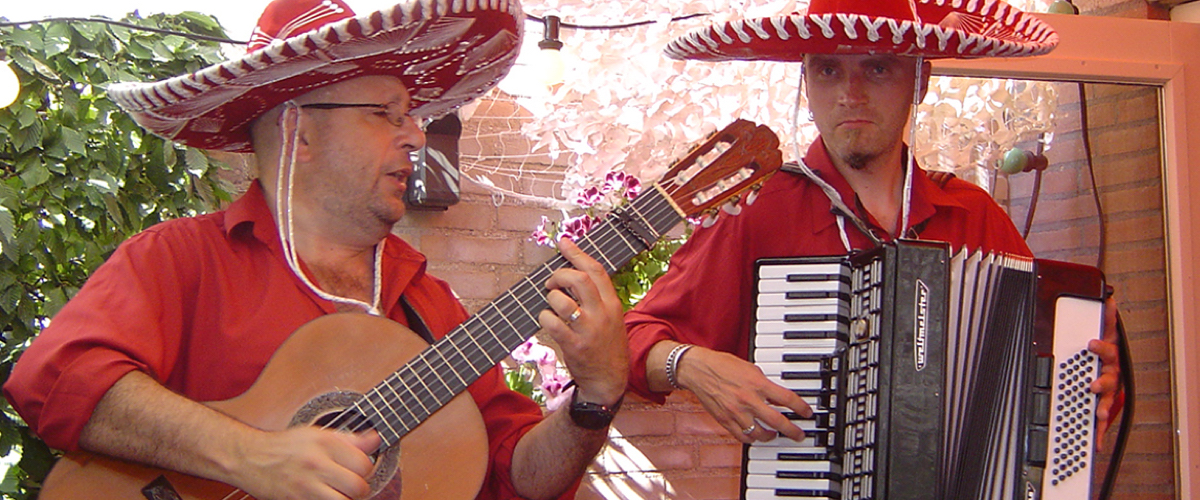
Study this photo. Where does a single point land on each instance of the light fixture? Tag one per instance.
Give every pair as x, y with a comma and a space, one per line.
551, 63
9, 85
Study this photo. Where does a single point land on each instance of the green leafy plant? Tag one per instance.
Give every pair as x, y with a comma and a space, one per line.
78, 176
634, 279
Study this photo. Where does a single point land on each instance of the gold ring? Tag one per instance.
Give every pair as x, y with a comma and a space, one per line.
575, 315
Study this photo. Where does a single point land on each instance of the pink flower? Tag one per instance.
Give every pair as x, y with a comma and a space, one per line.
632, 187
587, 197
532, 351
554, 390
542, 235
576, 227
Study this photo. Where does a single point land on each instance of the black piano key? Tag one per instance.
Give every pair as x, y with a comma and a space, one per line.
813, 294
802, 318
834, 495
805, 474
798, 278
815, 334
805, 457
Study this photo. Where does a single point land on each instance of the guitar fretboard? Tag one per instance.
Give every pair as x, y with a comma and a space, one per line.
429, 381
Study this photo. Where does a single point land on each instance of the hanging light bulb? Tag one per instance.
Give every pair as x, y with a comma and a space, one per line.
9, 85
552, 66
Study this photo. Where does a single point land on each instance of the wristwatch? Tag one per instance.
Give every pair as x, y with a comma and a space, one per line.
592, 416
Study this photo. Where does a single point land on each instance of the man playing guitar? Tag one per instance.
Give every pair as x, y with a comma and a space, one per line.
191, 310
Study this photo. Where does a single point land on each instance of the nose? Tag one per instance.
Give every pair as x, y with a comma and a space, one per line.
853, 90
409, 136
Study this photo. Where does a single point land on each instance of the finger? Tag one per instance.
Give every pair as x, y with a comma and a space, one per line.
1107, 351
593, 275
564, 306
357, 459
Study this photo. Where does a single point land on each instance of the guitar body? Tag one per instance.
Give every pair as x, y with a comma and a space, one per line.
322, 368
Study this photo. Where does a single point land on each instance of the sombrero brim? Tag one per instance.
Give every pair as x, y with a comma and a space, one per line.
447, 52
986, 28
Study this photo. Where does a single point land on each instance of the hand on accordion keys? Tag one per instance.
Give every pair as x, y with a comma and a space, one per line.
737, 394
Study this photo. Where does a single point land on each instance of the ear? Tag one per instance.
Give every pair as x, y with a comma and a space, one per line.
296, 130
926, 69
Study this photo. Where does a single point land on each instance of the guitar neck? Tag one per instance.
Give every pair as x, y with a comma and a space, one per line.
430, 380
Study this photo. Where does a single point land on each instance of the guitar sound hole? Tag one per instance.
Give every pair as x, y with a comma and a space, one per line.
334, 411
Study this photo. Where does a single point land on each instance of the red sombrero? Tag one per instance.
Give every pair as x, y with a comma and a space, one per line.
928, 28
447, 52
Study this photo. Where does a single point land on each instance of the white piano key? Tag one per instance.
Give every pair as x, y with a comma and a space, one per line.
779, 327
800, 346
768, 286
781, 299
783, 311
765, 481
773, 452
770, 466
776, 368
781, 271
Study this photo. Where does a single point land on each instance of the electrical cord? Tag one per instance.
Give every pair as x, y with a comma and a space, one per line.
1126, 363
531, 17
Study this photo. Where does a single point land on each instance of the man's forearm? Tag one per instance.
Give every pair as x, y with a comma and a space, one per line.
553, 455
140, 420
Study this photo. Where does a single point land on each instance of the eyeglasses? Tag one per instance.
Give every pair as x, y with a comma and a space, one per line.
395, 113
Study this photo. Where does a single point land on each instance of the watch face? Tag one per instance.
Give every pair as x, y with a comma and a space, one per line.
592, 416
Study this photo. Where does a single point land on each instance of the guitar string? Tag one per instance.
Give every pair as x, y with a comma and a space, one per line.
524, 294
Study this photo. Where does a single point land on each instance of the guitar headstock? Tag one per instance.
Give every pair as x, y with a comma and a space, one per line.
733, 160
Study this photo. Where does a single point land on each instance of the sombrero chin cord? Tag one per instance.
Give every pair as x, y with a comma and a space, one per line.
283, 212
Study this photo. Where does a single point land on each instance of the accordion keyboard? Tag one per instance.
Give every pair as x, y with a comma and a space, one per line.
802, 323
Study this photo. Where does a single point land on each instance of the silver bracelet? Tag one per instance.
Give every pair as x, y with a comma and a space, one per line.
673, 364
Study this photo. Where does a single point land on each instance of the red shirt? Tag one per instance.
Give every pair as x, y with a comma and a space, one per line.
707, 296
200, 304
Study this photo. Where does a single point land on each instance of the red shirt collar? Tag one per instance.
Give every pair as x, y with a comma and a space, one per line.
249, 214
927, 196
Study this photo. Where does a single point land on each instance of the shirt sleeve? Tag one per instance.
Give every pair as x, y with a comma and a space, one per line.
703, 299
109, 328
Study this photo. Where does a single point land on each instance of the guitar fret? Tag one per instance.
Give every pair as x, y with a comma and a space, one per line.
392, 435
445, 386
447, 356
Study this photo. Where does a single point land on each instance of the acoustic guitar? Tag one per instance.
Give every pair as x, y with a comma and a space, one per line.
339, 371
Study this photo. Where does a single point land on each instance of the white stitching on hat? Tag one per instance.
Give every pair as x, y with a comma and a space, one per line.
825, 21
722, 35
899, 28
757, 26
848, 22
739, 30
922, 33
705, 36
873, 28
801, 24
943, 35
780, 24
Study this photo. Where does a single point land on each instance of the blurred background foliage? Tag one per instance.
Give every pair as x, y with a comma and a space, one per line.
78, 176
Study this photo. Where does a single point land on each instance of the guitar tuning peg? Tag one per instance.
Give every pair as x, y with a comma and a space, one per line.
732, 208
708, 218
753, 195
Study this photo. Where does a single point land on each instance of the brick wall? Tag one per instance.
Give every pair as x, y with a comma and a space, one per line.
1124, 132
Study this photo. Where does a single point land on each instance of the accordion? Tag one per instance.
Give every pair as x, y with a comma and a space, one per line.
931, 375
